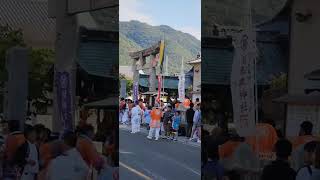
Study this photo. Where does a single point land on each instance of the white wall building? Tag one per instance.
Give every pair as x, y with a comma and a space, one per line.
302, 103
196, 86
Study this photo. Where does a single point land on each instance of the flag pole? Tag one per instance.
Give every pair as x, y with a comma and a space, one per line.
251, 27
163, 76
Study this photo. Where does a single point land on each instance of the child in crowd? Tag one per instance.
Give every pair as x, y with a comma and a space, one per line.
309, 169
176, 120
147, 116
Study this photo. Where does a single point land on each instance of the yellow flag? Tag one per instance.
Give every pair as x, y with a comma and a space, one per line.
161, 53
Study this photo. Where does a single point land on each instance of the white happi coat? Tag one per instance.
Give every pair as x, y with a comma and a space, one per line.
69, 166
125, 115
136, 118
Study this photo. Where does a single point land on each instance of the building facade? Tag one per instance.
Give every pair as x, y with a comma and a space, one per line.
196, 84
303, 101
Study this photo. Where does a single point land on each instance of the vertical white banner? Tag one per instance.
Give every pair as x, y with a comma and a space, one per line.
181, 85
135, 92
243, 83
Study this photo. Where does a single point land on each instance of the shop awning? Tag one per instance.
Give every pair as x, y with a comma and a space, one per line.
314, 75
309, 99
108, 103
154, 93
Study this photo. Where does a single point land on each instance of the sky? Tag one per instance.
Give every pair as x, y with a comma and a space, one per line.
183, 15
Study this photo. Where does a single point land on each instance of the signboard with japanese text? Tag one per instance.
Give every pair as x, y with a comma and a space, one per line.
243, 83
135, 92
62, 84
181, 87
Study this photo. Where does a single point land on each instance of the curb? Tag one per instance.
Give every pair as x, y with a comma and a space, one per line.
145, 131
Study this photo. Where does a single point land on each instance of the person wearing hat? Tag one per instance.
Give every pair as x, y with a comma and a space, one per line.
155, 124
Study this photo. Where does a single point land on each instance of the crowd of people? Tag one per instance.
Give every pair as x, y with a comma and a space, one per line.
37, 153
162, 120
295, 158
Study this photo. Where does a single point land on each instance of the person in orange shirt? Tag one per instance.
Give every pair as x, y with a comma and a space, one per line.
47, 152
264, 140
177, 104
87, 148
155, 124
44, 148
227, 149
14, 140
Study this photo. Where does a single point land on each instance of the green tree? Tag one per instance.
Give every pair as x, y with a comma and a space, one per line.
40, 65
8, 38
41, 77
279, 82
129, 83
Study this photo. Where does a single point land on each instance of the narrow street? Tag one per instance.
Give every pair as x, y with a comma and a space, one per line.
141, 158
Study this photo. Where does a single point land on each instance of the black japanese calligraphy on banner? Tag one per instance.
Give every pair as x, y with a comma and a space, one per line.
62, 85
243, 84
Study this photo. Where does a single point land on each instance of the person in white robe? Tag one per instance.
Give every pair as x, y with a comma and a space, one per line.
135, 118
69, 165
125, 115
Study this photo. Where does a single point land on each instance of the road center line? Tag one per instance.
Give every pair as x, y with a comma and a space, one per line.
135, 171
178, 163
125, 152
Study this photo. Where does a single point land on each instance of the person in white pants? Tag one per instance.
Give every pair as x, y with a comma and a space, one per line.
155, 123
125, 115
136, 118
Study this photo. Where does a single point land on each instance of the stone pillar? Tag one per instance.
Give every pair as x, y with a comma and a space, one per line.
135, 71
135, 75
17, 67
65, 69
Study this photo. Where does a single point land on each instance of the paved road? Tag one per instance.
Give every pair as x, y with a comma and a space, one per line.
143, 159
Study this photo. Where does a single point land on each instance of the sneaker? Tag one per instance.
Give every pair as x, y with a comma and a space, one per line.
157, 139
175, 139
149, 137
198, 141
